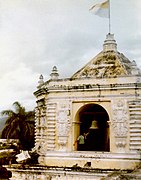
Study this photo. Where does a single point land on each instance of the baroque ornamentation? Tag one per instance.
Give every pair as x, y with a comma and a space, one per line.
105, 64
121, 143
120, 123
40, 113
63, 124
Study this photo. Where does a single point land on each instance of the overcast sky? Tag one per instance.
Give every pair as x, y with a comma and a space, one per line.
35, 35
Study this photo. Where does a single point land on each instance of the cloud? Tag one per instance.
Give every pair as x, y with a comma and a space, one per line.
36, 35
18, 85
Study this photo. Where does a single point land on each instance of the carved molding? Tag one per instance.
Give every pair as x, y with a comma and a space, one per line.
40, 125
63, 124
40, 115
120, 122
107, 64
121, 143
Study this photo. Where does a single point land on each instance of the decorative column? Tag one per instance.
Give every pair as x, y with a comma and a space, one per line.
40, 132
63, 125
120, 124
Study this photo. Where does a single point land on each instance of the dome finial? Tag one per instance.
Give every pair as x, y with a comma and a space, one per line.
110, 44
41, 80
54, 74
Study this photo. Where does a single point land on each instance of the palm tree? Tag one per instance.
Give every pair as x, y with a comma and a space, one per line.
19, 125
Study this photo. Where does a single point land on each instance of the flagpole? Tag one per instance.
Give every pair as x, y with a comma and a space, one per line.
109, 18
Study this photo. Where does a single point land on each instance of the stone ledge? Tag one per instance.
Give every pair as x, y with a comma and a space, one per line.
90, 154
101, 160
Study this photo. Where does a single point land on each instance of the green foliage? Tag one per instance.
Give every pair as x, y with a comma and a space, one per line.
19, 125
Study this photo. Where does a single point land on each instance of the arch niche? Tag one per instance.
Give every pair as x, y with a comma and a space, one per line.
93, 120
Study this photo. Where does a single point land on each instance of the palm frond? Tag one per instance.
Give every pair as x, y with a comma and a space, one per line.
18, 107
7, 113
19, 124
30, 115
11, 119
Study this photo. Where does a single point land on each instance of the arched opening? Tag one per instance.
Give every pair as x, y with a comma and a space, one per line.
93, 120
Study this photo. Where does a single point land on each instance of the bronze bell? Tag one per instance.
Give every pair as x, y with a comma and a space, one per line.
94, 125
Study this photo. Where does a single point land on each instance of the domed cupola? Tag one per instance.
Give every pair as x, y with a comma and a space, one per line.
108, 63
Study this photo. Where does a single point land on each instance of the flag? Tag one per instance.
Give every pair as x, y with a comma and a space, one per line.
101, 9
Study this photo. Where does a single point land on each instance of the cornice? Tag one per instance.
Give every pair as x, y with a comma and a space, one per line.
40, 92
93, 87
